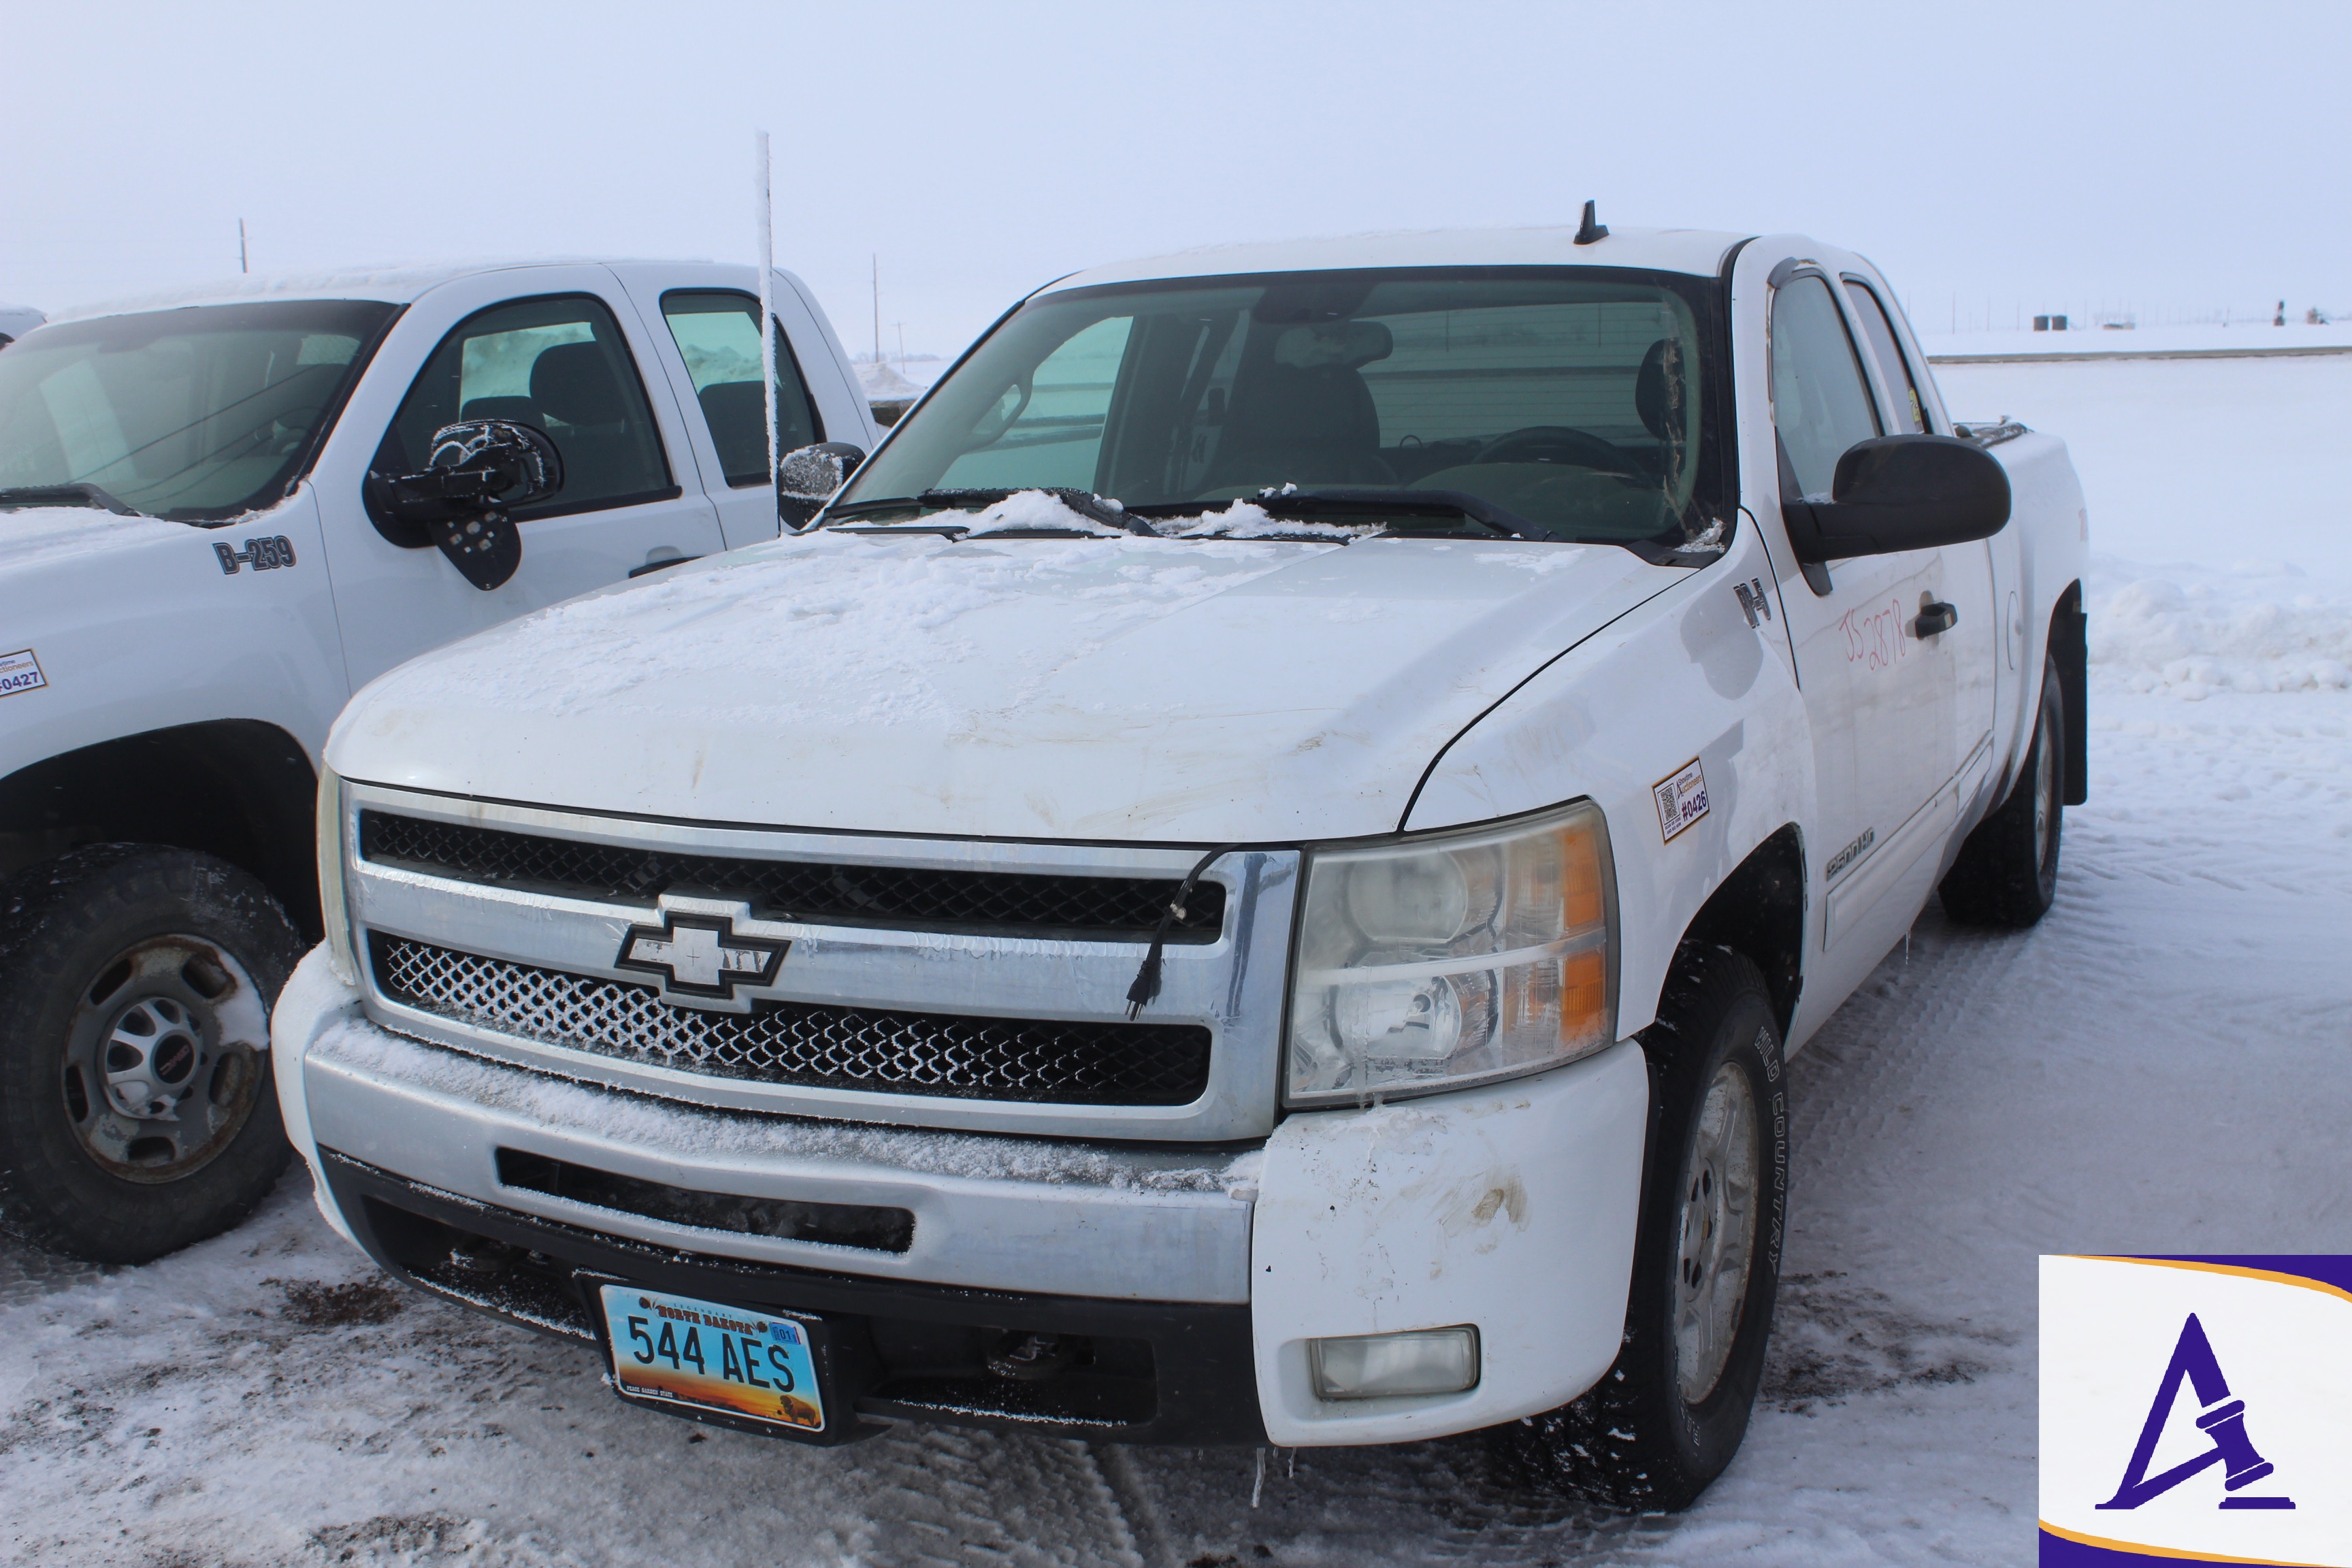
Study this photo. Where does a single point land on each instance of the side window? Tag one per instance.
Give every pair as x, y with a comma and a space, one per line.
1893, 368
558, 364
1820, 402
718, 332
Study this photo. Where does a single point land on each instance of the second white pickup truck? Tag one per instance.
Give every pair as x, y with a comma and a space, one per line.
215, 523
1251, 880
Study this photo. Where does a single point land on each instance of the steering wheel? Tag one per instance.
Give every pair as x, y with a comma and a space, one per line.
1577, 447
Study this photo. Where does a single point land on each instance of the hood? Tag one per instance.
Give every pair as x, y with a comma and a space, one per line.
35, 537
1124, 688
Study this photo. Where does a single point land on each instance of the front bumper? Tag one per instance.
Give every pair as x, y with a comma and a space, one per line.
1196, 1277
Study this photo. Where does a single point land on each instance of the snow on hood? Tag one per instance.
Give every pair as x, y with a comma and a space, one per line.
1193, 689
46, 535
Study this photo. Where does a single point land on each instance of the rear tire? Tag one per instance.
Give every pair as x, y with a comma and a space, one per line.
2006, 871
1668, 1416
137, 1111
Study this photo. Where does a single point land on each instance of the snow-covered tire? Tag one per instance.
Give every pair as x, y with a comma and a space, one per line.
137, 1111
1667, 1417
2006, 871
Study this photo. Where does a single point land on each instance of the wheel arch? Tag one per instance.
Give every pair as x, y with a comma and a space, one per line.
1758, 911
239, 788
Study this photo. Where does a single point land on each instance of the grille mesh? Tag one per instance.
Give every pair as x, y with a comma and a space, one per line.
1036, 904
798, 1042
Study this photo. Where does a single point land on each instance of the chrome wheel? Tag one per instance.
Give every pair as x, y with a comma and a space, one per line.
164, 1058
1717, 1242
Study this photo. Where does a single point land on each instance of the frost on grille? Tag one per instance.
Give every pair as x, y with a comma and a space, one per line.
799, 1043
1032, 903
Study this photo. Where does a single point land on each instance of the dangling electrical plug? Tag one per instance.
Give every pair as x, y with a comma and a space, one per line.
1147, 979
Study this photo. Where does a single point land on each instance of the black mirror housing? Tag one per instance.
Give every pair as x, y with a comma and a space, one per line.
806, 479
1901, 492
478, 468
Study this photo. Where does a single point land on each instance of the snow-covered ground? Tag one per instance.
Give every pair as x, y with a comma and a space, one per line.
2160, 1066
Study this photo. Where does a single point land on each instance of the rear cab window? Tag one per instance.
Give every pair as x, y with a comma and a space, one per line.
717, 334
1893, 369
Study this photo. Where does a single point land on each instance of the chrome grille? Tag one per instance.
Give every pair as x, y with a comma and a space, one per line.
1056, 1060
1024, 903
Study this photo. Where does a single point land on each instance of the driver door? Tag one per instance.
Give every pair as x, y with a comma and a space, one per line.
1880, 699
565, 357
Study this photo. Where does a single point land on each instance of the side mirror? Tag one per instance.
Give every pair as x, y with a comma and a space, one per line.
807, 478
1901, 492
478, 469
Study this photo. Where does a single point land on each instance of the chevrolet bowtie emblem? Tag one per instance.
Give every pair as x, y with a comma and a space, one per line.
699, 951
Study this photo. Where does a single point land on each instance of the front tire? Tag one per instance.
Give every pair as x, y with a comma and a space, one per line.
1669, 1415
2007, 871
137, 1111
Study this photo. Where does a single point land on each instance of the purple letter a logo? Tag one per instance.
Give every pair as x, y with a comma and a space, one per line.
2224, 1421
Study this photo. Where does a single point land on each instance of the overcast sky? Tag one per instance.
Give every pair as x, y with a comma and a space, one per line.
2043, 156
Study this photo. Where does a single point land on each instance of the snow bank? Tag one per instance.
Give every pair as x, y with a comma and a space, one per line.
2251, 631
2247, 337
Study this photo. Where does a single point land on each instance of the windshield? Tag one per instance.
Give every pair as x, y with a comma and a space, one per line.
192, 413
1571, 398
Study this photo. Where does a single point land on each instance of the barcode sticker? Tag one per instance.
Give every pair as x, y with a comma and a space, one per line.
1682, 798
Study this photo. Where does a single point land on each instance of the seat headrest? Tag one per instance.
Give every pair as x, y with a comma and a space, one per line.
1653, 399
574, 383
521, 410
1350, 343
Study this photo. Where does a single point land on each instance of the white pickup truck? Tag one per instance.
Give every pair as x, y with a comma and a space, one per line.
207, 543
1250, 880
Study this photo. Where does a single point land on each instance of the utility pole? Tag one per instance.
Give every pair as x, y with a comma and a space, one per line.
241, 265
764, 214
877, 309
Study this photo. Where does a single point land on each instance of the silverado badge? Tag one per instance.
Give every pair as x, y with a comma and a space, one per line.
702, 950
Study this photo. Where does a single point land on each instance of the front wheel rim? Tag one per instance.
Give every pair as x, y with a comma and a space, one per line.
165, 1058
1715, 1246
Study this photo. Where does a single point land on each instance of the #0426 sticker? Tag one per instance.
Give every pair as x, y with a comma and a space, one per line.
1681, 797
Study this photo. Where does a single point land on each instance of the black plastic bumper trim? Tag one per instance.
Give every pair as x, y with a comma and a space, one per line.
1200, 1387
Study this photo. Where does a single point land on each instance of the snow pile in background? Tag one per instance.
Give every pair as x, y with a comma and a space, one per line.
2192, 634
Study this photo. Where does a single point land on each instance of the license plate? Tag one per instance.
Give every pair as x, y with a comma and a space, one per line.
749, 1363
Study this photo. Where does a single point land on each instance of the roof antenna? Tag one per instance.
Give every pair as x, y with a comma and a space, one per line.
1589, 231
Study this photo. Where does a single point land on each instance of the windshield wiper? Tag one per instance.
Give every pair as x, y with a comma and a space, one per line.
1379, 503
65, 495
888, 503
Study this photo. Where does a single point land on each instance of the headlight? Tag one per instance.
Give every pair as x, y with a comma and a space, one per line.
332, 909
1454, 958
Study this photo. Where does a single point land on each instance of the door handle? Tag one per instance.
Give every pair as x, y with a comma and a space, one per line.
1935, 616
